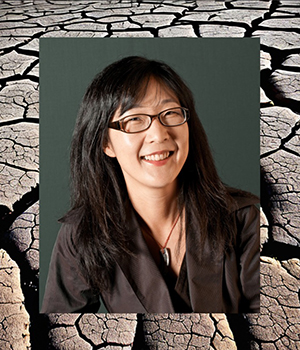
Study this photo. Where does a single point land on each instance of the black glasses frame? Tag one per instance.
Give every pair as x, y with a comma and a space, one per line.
119, 125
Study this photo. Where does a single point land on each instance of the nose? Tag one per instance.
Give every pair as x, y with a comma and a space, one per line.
157, 132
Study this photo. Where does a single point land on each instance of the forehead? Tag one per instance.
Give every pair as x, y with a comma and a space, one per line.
152, 92
149, 92
156, 92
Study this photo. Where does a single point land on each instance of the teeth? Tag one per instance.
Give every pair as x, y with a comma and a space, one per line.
157, 157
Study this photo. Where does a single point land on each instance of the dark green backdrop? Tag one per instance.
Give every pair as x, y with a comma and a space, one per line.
222, 73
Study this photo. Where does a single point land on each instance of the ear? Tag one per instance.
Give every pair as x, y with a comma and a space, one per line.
109, 151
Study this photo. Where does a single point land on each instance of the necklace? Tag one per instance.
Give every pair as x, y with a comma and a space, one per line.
164, 251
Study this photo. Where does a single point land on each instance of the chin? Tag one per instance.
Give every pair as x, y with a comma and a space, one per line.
162, 184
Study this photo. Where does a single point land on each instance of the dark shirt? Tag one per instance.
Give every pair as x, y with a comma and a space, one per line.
227, 284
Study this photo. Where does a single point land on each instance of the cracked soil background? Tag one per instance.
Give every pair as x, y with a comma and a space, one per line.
277, 24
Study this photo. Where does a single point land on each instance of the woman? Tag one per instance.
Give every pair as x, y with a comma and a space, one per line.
152, 228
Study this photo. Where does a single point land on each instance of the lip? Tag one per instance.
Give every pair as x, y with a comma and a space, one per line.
158, 158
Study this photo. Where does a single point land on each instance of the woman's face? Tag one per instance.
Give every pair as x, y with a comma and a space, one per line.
152, 158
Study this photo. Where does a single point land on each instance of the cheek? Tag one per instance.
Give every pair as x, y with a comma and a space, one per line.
126, 146
185, 140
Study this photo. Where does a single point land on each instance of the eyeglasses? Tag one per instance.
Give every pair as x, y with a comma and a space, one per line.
139, 122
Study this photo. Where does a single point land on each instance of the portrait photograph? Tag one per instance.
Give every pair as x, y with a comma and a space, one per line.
149, 175
150, 191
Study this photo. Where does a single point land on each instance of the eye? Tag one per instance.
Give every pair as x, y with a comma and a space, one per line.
169, 113
134, 119
173, 113
173, 117
135, 123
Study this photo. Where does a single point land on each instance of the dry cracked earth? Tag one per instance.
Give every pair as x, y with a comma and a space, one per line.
277, 24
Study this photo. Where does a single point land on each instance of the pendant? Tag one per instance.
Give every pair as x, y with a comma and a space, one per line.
165, 254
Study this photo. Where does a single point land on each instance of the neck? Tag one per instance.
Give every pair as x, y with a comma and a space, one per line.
157, 207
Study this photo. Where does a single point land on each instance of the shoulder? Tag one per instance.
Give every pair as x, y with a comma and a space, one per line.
246, 214
70, 224
241, 199
66, 241
244, 207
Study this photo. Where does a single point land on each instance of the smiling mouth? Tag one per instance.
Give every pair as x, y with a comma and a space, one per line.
158, 157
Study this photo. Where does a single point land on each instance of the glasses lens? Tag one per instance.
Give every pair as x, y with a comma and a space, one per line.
139, 122
173, 117
136, 123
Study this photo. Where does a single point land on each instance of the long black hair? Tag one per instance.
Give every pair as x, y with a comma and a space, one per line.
98, 186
